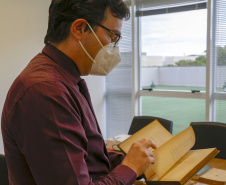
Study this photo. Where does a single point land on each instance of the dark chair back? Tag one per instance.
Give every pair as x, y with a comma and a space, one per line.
3, 171
210, 135
141, 121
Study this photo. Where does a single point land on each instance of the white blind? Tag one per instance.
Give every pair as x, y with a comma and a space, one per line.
165, 3
218, 61
119, 88
154, 7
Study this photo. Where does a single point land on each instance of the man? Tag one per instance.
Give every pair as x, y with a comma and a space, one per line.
50, 132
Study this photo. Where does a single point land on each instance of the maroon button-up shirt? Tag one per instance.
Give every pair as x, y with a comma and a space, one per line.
50, 133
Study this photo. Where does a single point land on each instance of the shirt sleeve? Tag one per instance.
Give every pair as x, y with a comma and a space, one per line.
50, 135
115, 159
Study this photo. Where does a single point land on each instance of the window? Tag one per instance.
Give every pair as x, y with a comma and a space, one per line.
178, 74
173, 50
173, 60
119, 88
217, 55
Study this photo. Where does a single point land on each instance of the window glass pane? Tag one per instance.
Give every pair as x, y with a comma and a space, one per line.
218, 61
182, 111
118, 101
174, 50
119, 88
220, 111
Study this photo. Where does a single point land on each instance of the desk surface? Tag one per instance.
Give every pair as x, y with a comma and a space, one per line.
216, 163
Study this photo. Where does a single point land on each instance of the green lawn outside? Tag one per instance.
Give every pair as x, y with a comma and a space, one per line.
182, 111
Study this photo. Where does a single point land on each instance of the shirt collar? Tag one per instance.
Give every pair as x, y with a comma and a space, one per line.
63, 61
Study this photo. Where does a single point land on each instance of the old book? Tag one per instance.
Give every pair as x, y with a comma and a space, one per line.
175, 162
200, 172
213, 176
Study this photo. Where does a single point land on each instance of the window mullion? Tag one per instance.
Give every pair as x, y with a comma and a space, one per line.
173, 94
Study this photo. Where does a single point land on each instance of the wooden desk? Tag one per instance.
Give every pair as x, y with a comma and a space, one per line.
216, 163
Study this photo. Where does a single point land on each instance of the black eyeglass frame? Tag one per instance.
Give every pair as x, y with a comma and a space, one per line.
119, 36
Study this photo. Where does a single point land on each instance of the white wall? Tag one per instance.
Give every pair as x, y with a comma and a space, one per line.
23, 25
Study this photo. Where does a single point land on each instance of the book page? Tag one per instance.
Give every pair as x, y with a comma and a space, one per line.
169, 153
189, 164
153, 131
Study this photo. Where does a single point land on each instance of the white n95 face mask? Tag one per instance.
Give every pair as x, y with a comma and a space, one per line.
106, 59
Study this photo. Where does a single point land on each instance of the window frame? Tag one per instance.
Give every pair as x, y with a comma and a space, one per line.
138, 92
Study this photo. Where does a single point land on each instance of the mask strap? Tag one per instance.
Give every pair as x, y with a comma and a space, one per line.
95, 34
86, 52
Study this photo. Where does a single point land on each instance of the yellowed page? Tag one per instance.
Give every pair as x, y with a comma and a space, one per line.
189, 164
169, 153
153, 131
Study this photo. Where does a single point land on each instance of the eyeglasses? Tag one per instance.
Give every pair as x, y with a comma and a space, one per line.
116, 37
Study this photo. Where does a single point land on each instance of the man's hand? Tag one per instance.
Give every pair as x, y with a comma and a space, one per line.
139, 157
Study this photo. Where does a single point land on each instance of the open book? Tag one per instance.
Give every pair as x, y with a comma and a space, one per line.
175, 162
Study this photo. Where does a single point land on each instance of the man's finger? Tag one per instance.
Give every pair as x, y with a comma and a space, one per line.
149, 143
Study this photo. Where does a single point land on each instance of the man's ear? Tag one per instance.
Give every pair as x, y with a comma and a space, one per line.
78, 28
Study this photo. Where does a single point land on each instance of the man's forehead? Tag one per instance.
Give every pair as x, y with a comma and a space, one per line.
113, 23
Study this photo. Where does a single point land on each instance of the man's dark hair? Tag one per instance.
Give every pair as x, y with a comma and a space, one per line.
62, 13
